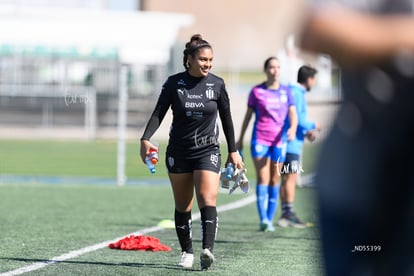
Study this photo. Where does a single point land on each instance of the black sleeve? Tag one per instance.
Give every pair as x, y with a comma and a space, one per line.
161, 108
225, 116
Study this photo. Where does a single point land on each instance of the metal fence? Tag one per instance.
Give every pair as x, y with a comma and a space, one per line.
49, 89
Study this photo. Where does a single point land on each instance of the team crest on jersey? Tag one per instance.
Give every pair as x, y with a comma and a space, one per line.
283, 98
210, 93
259, 148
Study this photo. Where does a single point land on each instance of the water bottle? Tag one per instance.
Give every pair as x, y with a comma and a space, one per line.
150, 166
229, 171
151, 160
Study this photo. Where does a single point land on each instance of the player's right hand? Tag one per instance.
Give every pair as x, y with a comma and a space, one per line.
146, 146
235, 159
311, 135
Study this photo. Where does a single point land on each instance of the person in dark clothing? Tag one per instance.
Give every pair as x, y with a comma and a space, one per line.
364, 179
193, 155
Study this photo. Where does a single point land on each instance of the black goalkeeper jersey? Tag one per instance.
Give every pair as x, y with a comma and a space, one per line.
194, 103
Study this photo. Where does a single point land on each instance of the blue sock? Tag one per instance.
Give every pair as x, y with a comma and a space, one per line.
261, 194
272, 203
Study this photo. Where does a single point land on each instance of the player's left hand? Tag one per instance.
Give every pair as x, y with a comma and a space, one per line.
291, 134
235, 159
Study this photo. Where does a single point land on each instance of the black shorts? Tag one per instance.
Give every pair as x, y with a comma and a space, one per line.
292, 164
180, 164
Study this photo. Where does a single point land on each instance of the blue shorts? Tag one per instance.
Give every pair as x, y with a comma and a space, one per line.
275, 153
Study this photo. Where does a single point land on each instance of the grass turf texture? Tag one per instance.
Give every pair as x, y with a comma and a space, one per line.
40, 221
97, 158
43, 221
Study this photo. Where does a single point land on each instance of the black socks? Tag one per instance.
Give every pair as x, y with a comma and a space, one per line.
209, 224
183, 229
287, 207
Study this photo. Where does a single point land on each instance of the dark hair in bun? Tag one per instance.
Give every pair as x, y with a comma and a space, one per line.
267, 62
196, 43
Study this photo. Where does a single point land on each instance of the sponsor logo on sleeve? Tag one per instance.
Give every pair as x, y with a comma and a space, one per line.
181, 82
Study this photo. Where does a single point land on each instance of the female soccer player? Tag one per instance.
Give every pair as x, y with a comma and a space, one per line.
193, 156
271, 102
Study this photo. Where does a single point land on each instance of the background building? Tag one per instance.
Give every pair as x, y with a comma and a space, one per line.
243, 32
60, 60
60, 65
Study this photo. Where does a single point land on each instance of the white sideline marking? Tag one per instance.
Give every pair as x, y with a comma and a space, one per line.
76, 253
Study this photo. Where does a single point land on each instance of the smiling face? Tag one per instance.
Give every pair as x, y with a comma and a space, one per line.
201, 63
273, 70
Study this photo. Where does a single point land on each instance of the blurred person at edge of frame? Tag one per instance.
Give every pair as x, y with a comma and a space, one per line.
365, 181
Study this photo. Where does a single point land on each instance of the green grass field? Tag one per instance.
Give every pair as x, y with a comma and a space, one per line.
94, 159
40, 221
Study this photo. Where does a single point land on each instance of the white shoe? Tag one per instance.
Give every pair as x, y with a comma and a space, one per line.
187, 260
206, 259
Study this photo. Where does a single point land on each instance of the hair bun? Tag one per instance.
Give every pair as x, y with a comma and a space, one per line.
196, 37
196, 43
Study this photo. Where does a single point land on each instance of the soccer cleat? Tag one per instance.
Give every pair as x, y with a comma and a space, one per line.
270, 227
267, 226
292, 220
206, 259
187, 260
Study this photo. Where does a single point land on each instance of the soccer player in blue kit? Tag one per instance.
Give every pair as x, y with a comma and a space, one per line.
292, 166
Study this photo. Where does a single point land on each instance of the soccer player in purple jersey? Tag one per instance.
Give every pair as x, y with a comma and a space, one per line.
271, 102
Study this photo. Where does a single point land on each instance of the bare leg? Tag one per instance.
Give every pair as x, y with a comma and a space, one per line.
206, 184
289, 218
262, 166
183, 189
274, 173
289, 187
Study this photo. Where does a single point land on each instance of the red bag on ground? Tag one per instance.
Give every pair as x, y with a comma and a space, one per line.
145, 243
